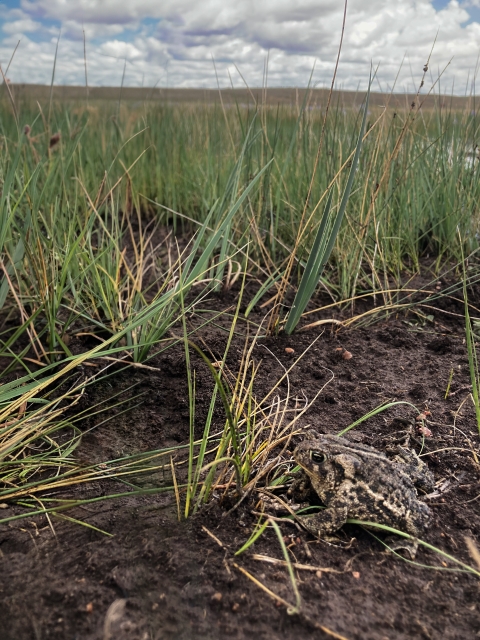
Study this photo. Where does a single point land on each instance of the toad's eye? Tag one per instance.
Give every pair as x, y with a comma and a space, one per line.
317, 457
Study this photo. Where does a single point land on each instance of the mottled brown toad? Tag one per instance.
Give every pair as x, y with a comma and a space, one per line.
356, 481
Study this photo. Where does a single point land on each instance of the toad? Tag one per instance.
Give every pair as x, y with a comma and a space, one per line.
356, 481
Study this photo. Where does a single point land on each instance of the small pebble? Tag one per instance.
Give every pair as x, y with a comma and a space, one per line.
343, 353
289, 350
217, 597
425, 431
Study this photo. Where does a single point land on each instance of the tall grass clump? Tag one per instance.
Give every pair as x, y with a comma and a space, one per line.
77, 255
78, 262
324, 240
415, 183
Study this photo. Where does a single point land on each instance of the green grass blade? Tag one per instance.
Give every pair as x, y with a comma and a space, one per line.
325, 240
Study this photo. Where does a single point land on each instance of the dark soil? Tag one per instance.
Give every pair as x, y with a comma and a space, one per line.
157, 578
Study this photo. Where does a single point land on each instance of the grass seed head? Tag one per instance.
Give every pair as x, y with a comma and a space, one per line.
54, 140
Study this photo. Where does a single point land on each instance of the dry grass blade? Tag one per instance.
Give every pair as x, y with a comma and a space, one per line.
473, 549
260, 584
296, 565
213, 536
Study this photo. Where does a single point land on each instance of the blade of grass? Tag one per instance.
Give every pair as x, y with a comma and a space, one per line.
326, 237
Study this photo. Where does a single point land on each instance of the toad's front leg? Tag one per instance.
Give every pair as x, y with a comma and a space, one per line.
301, 487
326, 521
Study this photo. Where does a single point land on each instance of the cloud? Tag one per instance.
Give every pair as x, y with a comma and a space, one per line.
25, 25
72, 30
119, 49
176, 40
93, 11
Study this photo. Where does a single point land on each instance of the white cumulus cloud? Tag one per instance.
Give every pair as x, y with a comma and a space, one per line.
174, 41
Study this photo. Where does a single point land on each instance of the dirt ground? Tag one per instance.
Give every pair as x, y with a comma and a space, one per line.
158, 578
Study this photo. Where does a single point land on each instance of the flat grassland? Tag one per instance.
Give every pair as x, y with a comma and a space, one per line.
273, 96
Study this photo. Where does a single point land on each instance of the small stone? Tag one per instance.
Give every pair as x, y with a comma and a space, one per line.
346, 355
3, 505
89, 607
356, 575
235, 606
425, 431
217, 597
289, 350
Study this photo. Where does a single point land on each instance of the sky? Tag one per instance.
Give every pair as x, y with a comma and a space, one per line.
199, 43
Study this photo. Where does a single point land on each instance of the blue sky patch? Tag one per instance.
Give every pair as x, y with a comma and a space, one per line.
438, 5
474, 13
11, 4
